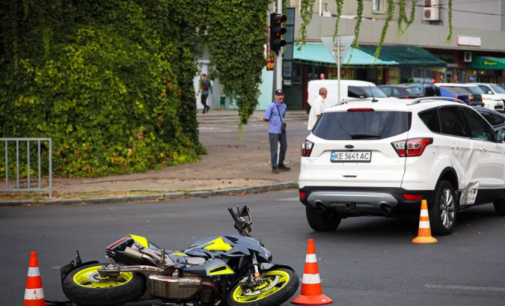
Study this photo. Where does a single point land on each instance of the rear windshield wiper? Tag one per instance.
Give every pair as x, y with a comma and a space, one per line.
364, 135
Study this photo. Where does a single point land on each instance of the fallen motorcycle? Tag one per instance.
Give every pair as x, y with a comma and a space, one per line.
234, 270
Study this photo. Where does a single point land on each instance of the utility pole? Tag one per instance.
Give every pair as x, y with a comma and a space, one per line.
278, 59
339, 60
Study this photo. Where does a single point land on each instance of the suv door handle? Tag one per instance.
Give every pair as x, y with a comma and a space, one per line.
483, 149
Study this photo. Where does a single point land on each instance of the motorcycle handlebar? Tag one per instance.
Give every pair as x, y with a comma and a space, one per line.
237, 221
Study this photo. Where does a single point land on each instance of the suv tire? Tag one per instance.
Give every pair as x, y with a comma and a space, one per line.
327, 221
444, 209
499, 207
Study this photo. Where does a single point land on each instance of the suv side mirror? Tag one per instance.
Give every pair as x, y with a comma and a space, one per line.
500, 135
490, 92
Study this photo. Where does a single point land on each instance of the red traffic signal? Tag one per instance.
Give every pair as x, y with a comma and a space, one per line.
276, 32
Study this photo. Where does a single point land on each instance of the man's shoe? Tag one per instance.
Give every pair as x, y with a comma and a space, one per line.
275, 170
284, 168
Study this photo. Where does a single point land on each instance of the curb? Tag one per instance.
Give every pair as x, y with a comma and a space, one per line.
195, 194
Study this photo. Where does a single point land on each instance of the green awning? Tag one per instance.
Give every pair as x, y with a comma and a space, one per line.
364, 56
488, 63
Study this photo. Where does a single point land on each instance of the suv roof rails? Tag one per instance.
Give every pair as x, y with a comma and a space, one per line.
430, 99
356, 100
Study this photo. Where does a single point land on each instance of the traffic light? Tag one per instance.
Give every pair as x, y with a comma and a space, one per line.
276, 32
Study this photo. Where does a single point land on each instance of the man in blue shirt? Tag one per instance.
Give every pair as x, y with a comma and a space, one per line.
275, 116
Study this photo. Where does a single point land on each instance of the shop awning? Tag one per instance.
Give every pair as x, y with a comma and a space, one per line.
364, 56
488, 63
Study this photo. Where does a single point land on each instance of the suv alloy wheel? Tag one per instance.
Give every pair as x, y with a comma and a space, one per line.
443, 211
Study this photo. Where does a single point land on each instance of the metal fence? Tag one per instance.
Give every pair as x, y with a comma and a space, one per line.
27, 183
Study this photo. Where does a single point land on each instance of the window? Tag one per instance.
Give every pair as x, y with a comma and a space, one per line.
479, 127
387, 91
452, 122
497, 88
431, 120
476, 90
492, 118
486, 89
355, 92
377, 5
375, 125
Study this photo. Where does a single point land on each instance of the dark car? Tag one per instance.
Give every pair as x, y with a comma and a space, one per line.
474, 93
426, 89
401, 91
496, 119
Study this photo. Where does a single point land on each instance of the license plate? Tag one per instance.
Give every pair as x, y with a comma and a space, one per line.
354, 156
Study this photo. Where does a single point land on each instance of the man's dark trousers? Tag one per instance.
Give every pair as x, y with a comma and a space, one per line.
274, 140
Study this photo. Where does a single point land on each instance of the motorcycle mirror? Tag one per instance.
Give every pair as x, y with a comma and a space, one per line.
244, 212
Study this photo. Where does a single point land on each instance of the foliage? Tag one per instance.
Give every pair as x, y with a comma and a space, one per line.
449, 37
236, 49
111, 83
402, 18
306, 11
389, 16
340, 5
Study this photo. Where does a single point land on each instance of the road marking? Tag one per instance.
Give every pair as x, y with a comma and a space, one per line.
473, 288
290, 199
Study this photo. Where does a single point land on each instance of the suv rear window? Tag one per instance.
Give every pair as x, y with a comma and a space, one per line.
362, 125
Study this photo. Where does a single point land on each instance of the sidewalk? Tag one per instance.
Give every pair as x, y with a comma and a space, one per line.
229, 164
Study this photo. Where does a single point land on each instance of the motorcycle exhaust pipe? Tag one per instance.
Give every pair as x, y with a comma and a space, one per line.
132, 253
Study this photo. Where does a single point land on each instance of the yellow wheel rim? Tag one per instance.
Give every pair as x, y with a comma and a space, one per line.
89, 278
273, 281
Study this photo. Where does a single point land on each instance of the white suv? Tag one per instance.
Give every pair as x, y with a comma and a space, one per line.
366, 157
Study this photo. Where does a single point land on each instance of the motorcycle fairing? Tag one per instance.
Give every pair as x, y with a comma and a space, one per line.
229, 245
214, 267
140, 240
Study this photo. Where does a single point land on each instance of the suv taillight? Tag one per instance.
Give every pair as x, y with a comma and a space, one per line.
307, 148
411, 147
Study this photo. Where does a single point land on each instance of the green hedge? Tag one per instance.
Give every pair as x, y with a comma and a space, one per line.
111, 83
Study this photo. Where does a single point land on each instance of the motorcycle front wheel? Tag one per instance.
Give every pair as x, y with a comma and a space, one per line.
84, 286
278, 286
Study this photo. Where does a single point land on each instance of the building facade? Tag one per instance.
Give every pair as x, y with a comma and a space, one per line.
475, 54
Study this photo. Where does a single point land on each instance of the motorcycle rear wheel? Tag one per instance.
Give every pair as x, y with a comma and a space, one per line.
286, 285
84, 286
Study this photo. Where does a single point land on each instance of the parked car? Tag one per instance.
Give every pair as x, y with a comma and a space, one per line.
454, 94
383, 158
401, 91
496, 119
489, 101
475, 98
350, 89
426, 89
494, 90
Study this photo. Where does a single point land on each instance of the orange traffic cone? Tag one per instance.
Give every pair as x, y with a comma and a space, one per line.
424, 235
34, 294
312, 291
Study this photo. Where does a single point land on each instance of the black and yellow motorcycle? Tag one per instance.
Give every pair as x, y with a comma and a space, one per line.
234, 270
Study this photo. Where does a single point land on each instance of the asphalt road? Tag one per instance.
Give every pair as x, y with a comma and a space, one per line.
367, 261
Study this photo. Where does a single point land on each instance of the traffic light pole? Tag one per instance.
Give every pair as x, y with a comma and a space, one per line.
278, 58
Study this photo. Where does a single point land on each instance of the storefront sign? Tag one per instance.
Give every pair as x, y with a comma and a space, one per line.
270, 59
489, 63
469, 41
345, 73
394, 75
446, 57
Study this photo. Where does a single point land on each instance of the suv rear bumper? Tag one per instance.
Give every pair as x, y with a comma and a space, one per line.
363, 201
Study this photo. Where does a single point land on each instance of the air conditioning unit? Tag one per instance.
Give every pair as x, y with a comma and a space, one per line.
467, 57
431, 3
431, 13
